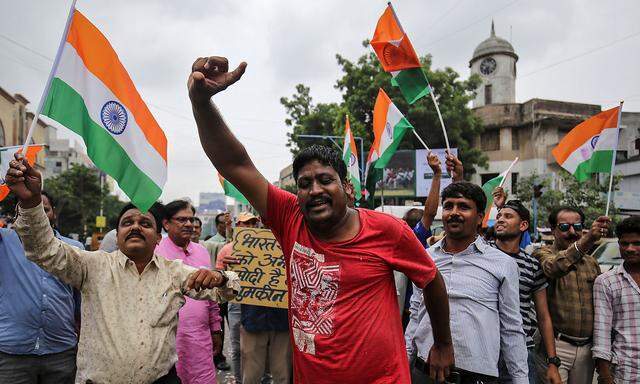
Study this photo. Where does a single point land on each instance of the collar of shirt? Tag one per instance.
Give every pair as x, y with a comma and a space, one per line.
122, 260
479, 244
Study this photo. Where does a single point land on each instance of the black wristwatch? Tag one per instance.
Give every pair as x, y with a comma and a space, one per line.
555, 360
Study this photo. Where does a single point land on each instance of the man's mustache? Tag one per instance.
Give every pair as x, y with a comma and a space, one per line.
135, 234
455, 219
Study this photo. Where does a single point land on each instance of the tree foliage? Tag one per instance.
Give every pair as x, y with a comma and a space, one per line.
359, 86
590, 196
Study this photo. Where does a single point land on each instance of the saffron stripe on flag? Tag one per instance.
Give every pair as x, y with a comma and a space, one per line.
100, 59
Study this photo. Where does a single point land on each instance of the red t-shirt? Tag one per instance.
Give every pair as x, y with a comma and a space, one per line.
343, 311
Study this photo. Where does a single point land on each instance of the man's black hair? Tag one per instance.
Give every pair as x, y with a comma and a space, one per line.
629, 225
553, 215
466, 190
324, 155
156, 210
195, 218
412, 216
522, 211
52, 201
176, 206
218, 216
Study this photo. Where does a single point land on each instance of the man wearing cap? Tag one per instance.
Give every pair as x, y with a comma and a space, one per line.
512, 222
571, 271
263, 332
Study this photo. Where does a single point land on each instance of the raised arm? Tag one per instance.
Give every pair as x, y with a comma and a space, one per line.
64, 261
433, 199
209, 76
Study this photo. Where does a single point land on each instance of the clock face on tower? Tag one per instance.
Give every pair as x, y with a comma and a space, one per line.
488, 66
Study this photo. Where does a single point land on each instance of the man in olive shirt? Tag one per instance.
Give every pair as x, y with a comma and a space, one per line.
570, 271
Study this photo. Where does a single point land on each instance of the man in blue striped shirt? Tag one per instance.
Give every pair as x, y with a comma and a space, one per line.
482, 285
37, 316
511, 222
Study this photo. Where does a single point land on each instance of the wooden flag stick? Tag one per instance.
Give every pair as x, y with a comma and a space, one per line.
47, 86
444, 130
613, 160
420, 140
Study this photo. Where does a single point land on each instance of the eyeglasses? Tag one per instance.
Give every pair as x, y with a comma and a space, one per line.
183, 220
564, 227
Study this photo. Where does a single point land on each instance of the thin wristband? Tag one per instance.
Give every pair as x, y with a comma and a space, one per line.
575, 245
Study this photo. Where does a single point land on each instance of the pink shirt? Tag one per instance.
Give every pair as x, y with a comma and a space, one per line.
196, 320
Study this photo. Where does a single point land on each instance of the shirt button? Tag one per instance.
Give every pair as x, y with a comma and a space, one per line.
142, 343
141, 367
141, 321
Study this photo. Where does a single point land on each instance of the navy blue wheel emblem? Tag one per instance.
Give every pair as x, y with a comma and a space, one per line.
594, 141
114, 117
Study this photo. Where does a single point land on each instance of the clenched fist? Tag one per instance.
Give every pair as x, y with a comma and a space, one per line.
210, 75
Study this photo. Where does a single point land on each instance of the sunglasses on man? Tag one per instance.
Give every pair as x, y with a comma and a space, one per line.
564, 227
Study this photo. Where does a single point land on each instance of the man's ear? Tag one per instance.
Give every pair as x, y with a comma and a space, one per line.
164, 224
524, 226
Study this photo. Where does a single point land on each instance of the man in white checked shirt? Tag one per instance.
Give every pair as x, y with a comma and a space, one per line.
616, 325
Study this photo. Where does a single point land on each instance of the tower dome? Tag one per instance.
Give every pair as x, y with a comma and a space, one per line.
494, 60
494, 45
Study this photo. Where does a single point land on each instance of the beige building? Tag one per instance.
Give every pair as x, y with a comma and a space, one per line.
286, 177
528, 130
58, 155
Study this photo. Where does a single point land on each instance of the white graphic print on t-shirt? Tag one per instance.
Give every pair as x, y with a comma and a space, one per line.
314, 289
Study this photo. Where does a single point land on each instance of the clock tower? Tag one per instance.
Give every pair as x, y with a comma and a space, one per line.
495, 61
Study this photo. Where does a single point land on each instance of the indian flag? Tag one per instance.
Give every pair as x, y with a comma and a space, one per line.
488, 188
350, 158
230, 190
397, 56
590, 146
371, 176
92, 94
6, 155
389, 126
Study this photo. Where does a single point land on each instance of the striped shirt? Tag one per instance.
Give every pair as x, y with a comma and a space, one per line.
482, 285
616, 327
532, 280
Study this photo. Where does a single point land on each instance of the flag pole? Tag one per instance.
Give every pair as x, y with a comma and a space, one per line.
395, 16
444, 130
420, 139
613, 160
47, 86
508, 170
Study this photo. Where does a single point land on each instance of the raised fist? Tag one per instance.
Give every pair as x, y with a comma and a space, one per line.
210, 75
24, 181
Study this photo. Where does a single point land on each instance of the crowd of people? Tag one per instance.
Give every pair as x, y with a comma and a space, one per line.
153, 308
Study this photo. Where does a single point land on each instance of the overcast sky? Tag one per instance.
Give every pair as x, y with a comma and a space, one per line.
582, 51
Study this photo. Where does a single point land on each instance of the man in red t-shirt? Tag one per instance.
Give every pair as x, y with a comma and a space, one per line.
344, 320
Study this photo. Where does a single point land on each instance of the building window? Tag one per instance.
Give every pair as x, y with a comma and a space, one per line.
486, 177
515, 139
514, 182
58, 163
487, 94
490, 140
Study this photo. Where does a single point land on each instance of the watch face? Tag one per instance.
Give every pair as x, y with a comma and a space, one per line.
487, 66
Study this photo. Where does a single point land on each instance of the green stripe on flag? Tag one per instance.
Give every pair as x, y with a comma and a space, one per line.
398, 133
231, 191
488, 188
600, 161
413, 84
66, 106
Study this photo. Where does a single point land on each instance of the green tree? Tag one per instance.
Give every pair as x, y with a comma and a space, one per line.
590, 196
77, 193
359, 86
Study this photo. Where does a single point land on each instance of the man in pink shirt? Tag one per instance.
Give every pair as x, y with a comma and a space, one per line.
199, 332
